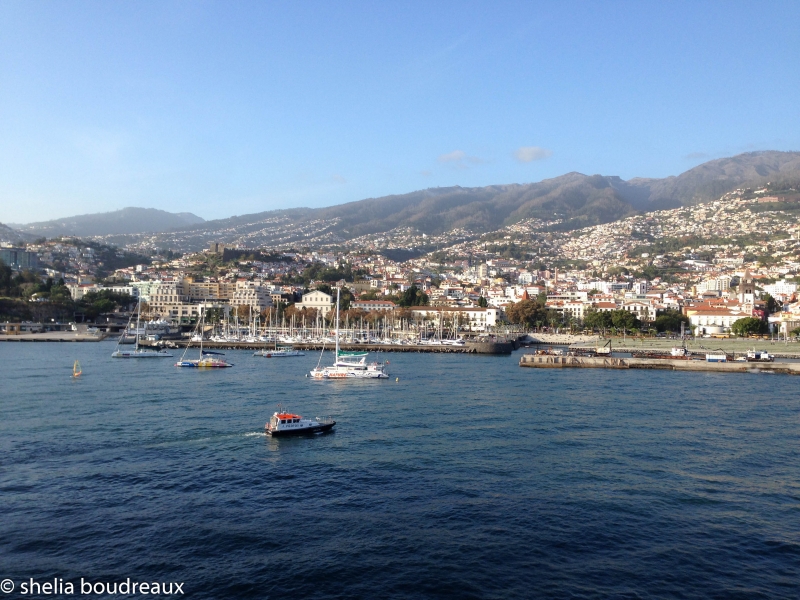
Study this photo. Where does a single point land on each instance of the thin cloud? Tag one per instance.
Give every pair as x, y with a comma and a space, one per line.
460, 159
526, 154
454, 156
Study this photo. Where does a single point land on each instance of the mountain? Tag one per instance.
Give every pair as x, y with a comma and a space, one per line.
127, 220
575, 200
7, 234
712, 179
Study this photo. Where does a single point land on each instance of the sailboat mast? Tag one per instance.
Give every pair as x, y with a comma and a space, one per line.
338, 290
202, 328
138, 312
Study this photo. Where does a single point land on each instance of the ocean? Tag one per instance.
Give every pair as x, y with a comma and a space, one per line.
470, 477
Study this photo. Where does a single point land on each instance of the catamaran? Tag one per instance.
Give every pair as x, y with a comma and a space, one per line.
207, 360
348, 365
137, 352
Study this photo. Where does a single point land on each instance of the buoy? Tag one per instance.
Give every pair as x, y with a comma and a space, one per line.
397, 379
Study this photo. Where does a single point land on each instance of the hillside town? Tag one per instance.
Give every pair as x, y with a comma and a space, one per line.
707, 266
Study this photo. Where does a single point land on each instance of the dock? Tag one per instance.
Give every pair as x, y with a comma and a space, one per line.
548, 361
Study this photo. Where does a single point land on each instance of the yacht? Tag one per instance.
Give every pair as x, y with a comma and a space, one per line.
137, 352
278, 352
348, 365
283, 423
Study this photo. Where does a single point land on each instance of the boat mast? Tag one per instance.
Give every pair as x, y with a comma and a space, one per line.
202, 328
138, 312
338, 290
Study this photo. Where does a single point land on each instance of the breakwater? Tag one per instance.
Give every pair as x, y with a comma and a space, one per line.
547, 361
55, 336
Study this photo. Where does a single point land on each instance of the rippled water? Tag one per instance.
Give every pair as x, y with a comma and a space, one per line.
470, 477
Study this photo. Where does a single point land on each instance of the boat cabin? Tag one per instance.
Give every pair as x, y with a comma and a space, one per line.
284, 421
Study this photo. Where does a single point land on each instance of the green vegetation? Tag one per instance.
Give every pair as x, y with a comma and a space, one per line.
105, 301
670, 320
532, 313
615, 319
320, 272
749, 326
412, 297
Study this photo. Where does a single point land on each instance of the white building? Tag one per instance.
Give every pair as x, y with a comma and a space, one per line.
320, 301
253, 294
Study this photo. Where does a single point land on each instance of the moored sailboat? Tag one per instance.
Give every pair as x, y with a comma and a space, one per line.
137, 352
349, 365
207, 360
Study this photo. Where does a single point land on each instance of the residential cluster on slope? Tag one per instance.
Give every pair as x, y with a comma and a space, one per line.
716, 263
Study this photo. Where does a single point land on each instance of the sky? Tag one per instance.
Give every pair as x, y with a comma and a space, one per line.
227, 108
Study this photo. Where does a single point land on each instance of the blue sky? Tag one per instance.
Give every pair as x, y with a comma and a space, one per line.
223, 108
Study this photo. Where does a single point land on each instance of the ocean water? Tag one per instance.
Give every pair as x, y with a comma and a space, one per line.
470, 477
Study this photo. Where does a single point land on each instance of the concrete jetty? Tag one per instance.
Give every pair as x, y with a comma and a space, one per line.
548, 361
55, 336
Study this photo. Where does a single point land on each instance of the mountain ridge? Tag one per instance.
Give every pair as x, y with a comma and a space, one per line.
126, 220
574, 199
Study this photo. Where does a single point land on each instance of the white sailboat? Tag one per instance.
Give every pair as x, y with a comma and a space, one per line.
137, 352
279, 351
349, 365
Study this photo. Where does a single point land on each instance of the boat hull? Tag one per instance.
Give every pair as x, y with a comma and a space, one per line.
195, 365
132, 354
322, 428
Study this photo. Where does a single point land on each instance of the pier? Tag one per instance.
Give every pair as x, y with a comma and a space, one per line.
549, 361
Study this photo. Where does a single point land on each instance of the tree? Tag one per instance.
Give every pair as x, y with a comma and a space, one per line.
482, 302
413, 297
624, 319
526, 312
670, 320
772, 304
748, 326
596, 319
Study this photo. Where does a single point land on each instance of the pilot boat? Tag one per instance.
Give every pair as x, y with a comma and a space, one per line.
283, 423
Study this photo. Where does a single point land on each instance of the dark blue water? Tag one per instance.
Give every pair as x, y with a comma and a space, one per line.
470, 477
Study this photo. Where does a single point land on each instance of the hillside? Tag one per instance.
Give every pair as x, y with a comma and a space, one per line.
126, 220
575, 200
7, 234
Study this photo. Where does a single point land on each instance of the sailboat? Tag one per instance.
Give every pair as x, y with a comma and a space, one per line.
349, 365
76, 369
279, 351
137, 352
207, 360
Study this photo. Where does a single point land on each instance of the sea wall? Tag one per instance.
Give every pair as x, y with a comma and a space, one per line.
545, 361
558, 339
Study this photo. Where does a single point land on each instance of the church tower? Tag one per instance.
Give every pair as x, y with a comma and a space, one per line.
747, 288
